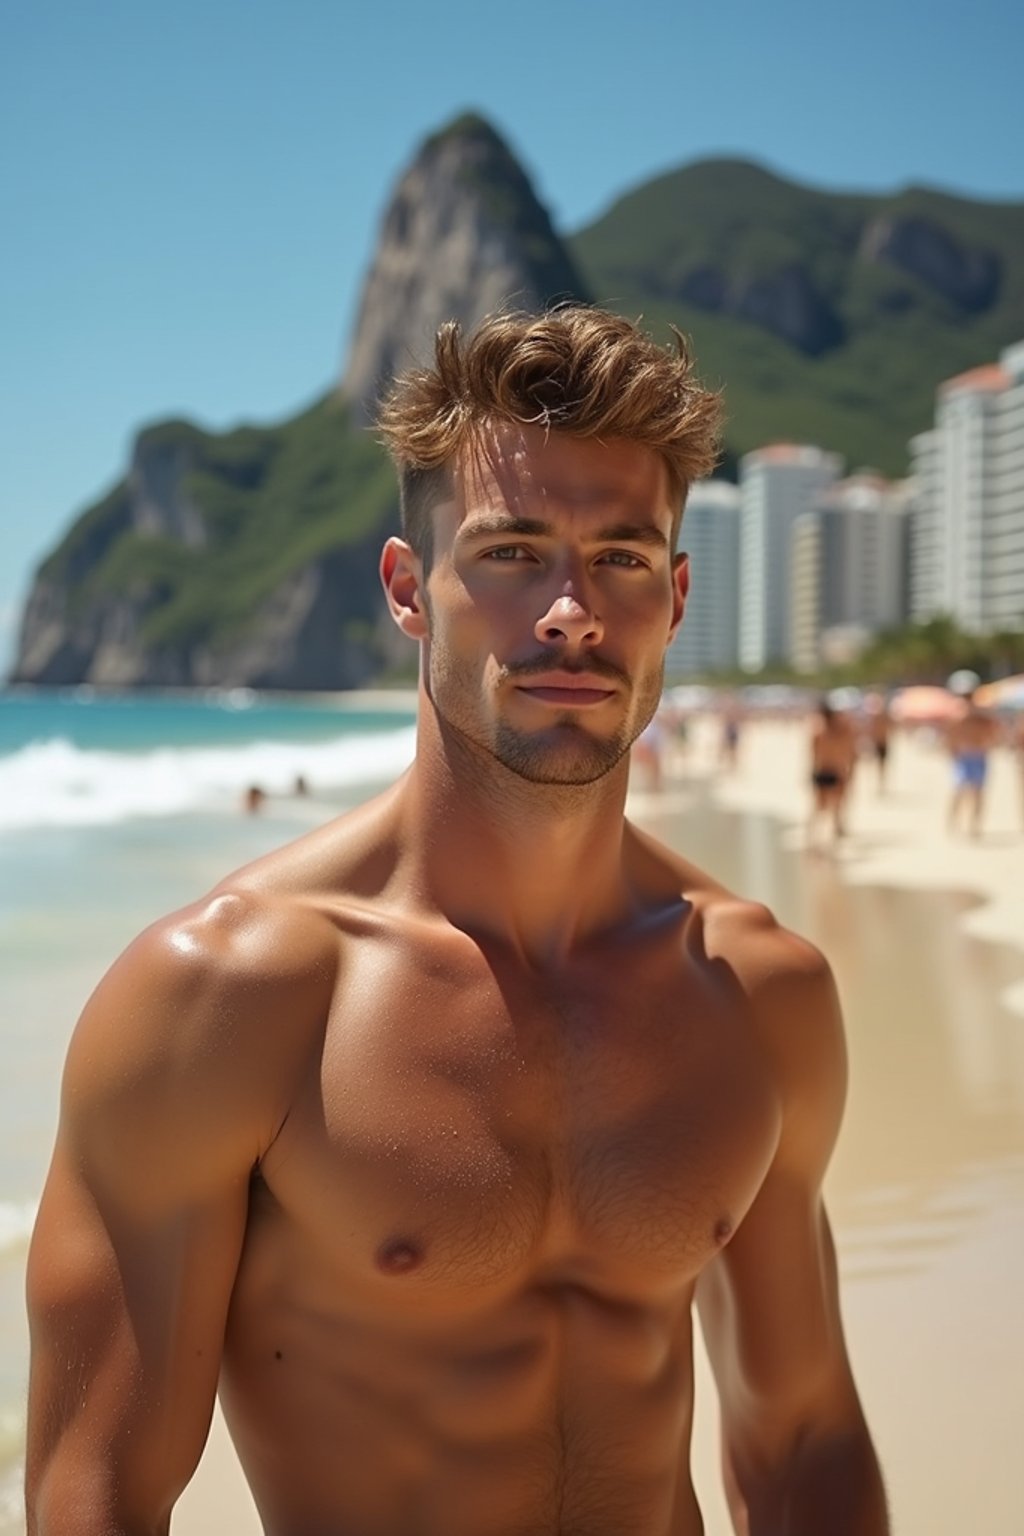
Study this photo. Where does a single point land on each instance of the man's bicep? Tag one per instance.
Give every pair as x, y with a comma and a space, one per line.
127, 1319
135, 1249
769, 1310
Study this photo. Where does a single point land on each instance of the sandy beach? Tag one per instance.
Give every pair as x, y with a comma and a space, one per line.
925, 931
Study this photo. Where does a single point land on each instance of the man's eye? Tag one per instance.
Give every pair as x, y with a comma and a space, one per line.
624, 558
506, 552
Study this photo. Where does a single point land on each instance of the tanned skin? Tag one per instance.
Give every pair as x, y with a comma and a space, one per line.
420, 1137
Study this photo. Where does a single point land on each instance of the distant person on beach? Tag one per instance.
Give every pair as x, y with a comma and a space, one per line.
878, 734
729, 739
970, 740
649, 751
833, 756
420, 1137
1016, 741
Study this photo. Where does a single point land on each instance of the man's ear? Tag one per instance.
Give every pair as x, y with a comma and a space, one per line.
401, 574
680, 591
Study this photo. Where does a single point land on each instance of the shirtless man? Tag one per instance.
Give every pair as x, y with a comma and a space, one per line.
970, 739
420, 1137
833, 759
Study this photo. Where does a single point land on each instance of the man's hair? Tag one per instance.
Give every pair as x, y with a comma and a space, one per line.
574, 369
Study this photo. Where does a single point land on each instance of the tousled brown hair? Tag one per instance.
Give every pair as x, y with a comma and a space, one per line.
574, 369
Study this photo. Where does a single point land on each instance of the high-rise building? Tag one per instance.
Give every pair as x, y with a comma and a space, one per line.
849, 573
967, 552
710, 534
777, 485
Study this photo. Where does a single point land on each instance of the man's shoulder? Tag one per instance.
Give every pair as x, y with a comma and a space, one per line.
743, 933
209, 1012
794, 1007
264, 945
761, 951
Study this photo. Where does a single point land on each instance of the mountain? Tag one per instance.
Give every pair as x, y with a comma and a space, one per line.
463, 235
249, 557
828, 317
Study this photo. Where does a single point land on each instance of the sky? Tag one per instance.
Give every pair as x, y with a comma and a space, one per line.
190, 194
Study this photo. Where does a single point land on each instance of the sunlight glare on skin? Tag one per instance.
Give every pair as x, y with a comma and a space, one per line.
184, 941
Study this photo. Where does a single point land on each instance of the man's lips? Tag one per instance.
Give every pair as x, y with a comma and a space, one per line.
567, 689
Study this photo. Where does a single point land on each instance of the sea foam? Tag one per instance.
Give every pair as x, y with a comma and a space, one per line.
56, 784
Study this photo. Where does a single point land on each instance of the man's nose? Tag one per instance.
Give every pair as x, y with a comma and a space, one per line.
570, 619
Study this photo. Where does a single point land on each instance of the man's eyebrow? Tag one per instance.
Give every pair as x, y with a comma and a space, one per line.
480, 527
631, 533
532, 527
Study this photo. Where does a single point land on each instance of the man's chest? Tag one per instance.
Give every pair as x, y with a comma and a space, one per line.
465, 1125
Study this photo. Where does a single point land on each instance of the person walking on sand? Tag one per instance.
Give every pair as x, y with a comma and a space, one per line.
833, 756
729, 737
649, 752
1015, 734
878, 734
420, 1137
970, 740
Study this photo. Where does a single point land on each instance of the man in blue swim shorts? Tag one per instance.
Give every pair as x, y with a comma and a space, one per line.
970, 741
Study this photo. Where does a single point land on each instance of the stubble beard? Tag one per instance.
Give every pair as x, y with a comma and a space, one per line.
565, 753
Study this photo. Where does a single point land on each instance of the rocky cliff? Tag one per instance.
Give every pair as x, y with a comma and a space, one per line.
463, 235
250, 558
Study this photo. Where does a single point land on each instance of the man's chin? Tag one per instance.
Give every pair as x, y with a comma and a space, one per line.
565, 755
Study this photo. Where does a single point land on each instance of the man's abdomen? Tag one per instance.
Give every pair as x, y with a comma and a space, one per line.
558, 1413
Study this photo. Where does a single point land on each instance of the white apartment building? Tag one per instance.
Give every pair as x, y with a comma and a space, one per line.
850, 569
967, 554
710, 534
778, 484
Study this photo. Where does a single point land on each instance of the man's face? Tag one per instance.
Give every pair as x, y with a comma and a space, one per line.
552, 596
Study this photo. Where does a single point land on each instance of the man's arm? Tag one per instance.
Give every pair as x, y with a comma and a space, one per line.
797, 1455
175, 1084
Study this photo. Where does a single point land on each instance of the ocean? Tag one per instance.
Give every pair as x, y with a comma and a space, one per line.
114, 810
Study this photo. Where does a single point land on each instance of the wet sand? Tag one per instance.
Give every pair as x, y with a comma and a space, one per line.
927, 1187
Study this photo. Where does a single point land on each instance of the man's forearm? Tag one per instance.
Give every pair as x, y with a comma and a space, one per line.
57, 1506
831, 1485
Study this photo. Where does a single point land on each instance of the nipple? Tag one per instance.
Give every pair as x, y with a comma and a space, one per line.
398, 1255
723, 1231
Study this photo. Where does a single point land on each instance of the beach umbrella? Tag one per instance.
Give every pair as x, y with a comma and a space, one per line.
1007, 693
924, 704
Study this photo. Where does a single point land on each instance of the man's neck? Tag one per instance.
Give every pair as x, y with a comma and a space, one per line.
537, 866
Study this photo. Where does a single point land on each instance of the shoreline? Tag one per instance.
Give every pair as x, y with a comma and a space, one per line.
895, 839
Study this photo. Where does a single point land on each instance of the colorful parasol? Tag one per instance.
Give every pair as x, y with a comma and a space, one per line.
925, 704
1007, 693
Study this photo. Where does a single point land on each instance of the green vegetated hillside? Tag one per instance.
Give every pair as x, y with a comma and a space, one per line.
272, 500
842, 342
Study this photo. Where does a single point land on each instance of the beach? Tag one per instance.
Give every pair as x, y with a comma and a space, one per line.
925, 932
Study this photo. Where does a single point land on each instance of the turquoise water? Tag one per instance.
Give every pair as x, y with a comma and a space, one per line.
138, 722
114, 811
81, 760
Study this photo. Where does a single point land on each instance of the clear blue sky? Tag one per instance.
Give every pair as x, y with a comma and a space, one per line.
191, 193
